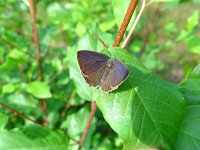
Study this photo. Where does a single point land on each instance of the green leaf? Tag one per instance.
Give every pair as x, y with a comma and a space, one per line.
191, 90
76, 122
170, 27
189, 136
144, 108
182, 35
162, 1
107, 25
150, 60
3, 120
9, 88
80, 29
39, 89
34, 138
187, 71
196, 70
57, 64
190, 87
193, 21
194, 44
13, 58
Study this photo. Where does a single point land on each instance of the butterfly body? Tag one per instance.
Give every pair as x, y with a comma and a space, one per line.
101, 71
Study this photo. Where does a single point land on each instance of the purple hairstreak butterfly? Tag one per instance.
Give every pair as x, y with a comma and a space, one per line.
101, 71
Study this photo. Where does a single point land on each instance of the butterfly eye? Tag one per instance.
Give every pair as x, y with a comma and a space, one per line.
110, 65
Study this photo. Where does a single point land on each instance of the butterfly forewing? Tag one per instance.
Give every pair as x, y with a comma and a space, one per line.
92, 65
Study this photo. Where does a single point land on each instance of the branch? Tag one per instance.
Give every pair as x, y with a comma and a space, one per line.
38, 57
35, 37
134, 24
125, 22
98, 38
67, 105
93, 110
58, 73
20, 114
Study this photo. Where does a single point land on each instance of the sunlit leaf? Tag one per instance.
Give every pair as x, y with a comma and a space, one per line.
194, 44
39, 89
9, 88
33, 137
196, 70
193, 21
105, 26
144, 107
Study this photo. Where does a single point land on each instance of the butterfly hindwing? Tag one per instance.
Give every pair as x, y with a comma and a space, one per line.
115, 77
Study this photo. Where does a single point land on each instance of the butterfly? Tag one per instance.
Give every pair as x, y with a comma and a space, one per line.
101, 71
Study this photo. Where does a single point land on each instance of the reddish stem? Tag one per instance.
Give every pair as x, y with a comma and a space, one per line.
19, 114
35, 38
92, 112
38, 57
67, 105
125, 22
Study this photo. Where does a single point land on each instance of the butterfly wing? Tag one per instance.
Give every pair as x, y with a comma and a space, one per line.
115, 77
92, 65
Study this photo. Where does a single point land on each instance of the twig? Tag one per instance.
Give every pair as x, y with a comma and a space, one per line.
134, 24
35, 38
92, 112
104, 45
20, 114
57, 74
149, 30
67, 105
38, 57
125, 22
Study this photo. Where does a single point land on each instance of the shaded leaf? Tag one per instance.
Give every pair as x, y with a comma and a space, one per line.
13, 58
189, 136
190, 87
191, 90
3, 120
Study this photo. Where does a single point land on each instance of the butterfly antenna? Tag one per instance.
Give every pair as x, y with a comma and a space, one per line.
104, 45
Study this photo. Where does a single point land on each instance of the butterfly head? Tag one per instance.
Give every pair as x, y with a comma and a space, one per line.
111, 63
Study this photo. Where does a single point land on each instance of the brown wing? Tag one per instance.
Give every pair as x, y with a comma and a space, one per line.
115, 77
92, 65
